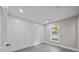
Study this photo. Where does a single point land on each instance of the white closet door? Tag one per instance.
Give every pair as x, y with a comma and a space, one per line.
0, 27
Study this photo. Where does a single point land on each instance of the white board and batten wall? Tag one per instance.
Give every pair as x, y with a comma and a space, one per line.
3, 28
0, 27
22, 33
19, 33
68, 32
78, 32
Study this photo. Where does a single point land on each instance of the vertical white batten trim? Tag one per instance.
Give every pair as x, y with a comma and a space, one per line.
78, 32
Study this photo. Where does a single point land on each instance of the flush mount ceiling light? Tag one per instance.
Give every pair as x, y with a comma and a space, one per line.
48, 20
21, 10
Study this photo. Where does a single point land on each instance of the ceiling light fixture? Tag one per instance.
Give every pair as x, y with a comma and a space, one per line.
21, 10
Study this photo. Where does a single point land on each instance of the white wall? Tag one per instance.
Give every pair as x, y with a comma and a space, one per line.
4, 29
78, 32
22, 33
0, 27
69, 32
19, 33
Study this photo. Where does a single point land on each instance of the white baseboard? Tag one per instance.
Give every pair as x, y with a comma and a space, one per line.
28, 46
3, 49
59, 45
8, 49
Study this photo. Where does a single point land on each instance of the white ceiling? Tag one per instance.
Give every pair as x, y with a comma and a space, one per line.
42, 14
